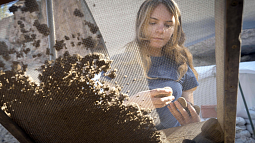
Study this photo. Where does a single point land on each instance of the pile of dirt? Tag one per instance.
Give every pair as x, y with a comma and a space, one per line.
69, 106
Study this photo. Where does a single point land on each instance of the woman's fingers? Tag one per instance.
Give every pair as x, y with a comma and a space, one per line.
149, 97
158, 91
183, 112
194, 116
172, 108
182, 115
161, 102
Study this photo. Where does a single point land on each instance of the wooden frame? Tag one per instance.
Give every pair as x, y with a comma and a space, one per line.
14, 129
5, 1
228, 26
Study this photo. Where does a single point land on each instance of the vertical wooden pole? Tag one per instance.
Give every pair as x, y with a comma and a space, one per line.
14, 129
228, 21
220, 44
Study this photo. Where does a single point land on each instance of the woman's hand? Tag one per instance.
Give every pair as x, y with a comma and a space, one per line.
147, 99
182, 115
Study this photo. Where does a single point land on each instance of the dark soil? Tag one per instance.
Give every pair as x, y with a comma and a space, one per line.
4, 51
78, 13
42, 28
28, 5
59, 45
88, 42
68, 106
93, 27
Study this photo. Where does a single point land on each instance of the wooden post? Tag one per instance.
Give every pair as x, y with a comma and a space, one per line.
14, 129
228, 26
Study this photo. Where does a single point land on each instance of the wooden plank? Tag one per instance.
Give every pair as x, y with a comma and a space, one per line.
228, 20
234, 11
220, 35
5, 1
14, 129
178, 134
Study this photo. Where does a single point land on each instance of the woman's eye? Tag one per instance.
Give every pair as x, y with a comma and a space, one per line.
152, 23
168, 26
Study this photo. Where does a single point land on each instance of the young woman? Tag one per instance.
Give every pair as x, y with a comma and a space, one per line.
166, 63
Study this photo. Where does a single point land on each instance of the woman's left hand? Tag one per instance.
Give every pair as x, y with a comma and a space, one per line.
182, 115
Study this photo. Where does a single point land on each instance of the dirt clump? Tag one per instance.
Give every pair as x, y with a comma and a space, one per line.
25, 6
78, 13
4, 50
93, 27
59, 45
88, 42
42, 28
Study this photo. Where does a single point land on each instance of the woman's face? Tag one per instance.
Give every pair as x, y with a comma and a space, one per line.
160, 28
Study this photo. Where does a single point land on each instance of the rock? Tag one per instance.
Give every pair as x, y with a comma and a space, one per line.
248, 121
240, 128
245, 140
244, 115
249, 128
240, 121
241, 140
244, 133
6, 137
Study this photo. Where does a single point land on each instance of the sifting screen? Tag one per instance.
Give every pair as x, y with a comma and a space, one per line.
101, 87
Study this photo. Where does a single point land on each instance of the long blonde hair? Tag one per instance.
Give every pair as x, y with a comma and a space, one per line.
174, 49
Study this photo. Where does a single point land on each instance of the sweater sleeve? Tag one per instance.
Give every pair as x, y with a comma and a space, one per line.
189, 80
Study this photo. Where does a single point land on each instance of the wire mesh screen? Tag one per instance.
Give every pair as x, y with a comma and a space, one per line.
120, 67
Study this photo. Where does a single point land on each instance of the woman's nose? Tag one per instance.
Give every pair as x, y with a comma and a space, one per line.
160, 29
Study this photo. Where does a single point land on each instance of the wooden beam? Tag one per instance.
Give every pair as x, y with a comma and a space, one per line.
228, 26
178, 134
5, 1
14, 129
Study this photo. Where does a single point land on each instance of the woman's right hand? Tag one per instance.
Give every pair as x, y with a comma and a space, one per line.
149, 99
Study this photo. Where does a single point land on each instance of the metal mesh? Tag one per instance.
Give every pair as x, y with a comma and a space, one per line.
61, 115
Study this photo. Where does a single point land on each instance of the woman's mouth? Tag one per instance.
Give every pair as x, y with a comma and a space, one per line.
157, 38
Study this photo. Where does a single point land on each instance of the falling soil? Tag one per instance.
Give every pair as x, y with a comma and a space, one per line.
26, 50
2, 64
23, 30
42, 28
33, 36
67, 38
47, 51
31, 6
59, 45
37, 43
112, 74
88, 42
78, 13
20, 23
4, 50
28, 38
28, 5
93, 27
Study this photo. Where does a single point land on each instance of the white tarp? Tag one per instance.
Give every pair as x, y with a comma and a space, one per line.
206, 92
